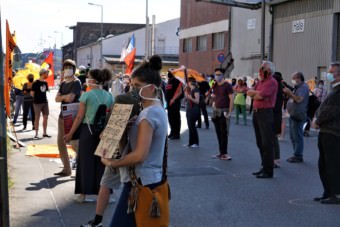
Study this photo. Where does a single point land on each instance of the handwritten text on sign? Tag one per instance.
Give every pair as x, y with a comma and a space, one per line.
108, 146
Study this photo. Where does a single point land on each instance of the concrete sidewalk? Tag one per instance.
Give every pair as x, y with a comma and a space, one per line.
38, 198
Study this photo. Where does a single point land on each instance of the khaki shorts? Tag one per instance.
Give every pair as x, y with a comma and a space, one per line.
41, 107
110, 178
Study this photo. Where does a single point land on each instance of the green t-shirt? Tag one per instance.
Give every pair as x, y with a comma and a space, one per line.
92, 99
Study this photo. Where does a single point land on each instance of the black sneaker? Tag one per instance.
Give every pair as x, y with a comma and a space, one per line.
295, 159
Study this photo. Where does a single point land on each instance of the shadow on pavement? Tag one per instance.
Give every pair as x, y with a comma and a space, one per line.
47, 183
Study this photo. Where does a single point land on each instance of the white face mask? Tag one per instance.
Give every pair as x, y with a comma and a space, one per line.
90, 84
294, 82
147, 98
68, 73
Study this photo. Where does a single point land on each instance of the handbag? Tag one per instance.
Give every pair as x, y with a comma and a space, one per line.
150, 206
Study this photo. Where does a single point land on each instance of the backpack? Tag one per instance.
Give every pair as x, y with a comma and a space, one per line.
99, 121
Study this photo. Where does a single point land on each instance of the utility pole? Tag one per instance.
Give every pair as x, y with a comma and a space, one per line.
4, 207
263, 30
146, 31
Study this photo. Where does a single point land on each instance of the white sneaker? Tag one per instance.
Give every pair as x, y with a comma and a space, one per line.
194, 146
79, 198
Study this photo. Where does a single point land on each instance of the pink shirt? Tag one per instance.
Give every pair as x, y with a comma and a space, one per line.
267, 89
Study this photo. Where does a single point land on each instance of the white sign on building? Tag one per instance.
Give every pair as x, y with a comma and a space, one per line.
251, 24
298, 26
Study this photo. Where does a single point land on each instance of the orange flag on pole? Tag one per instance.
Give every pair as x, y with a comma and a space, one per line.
48, 64
10, 45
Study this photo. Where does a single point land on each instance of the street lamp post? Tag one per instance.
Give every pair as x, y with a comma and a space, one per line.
101, 33
61, 38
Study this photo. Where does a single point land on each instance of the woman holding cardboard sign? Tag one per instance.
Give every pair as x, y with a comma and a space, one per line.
147, 137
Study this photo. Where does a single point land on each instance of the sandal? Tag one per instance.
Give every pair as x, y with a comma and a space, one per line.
48, 136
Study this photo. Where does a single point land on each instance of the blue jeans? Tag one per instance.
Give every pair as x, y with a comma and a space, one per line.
19, 101
296, 136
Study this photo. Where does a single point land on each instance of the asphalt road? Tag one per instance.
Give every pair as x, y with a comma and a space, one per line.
205, 191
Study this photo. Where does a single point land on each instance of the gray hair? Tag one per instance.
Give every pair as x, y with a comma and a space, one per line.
270, 65
336, 64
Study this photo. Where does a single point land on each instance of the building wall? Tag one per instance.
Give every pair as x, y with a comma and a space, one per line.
246, 40
164, 32
201, 18
309, 51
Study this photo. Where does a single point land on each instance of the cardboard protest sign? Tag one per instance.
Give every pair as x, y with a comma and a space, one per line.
108, 146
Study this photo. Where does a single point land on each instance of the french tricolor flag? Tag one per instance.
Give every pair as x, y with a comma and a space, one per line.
130, 55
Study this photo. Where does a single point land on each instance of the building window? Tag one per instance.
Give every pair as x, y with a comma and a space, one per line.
202, 43
218, 41
187, 45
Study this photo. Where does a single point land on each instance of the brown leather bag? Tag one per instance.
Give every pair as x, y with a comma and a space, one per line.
151, 206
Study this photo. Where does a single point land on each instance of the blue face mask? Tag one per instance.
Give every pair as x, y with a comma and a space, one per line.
219, 78
330, 77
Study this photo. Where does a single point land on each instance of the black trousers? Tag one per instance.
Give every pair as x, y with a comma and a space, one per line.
329, 163
174, 118
203, 110
28, 105
192, 116
222, 132
263, 121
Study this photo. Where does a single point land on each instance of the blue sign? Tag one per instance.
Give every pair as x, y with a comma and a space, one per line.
220, 57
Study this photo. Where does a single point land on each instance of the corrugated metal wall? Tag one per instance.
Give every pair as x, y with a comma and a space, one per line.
305, 51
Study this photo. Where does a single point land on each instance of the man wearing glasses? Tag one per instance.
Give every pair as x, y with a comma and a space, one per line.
264, 96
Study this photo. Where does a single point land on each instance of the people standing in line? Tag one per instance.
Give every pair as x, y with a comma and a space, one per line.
203, 87
19, 101
264, 95
40, 103
82, 76
240, 101
147, 152
69, 92
256, 80
28, 101
277, 111
117, 87
320, 91
89, 167
192, 95
222, 93
297, 109
327, 119
173, 95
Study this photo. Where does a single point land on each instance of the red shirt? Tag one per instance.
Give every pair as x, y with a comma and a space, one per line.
267, 89
222, 93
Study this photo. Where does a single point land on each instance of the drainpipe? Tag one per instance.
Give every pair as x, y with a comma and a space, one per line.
271, 35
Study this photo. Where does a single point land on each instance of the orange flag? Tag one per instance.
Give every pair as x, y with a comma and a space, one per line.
48, 64
10, 45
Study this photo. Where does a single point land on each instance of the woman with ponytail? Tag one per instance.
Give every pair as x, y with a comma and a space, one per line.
147, 137
89, 167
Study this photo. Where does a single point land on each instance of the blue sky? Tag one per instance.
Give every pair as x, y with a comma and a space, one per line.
35, 21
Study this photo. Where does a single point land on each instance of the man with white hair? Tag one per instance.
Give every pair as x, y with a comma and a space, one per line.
264, 96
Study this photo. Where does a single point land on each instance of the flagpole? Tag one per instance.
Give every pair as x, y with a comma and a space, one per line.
4, 204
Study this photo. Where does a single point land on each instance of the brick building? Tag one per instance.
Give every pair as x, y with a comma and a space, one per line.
204, 34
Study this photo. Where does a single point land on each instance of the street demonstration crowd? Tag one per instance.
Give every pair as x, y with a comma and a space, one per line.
157, 100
